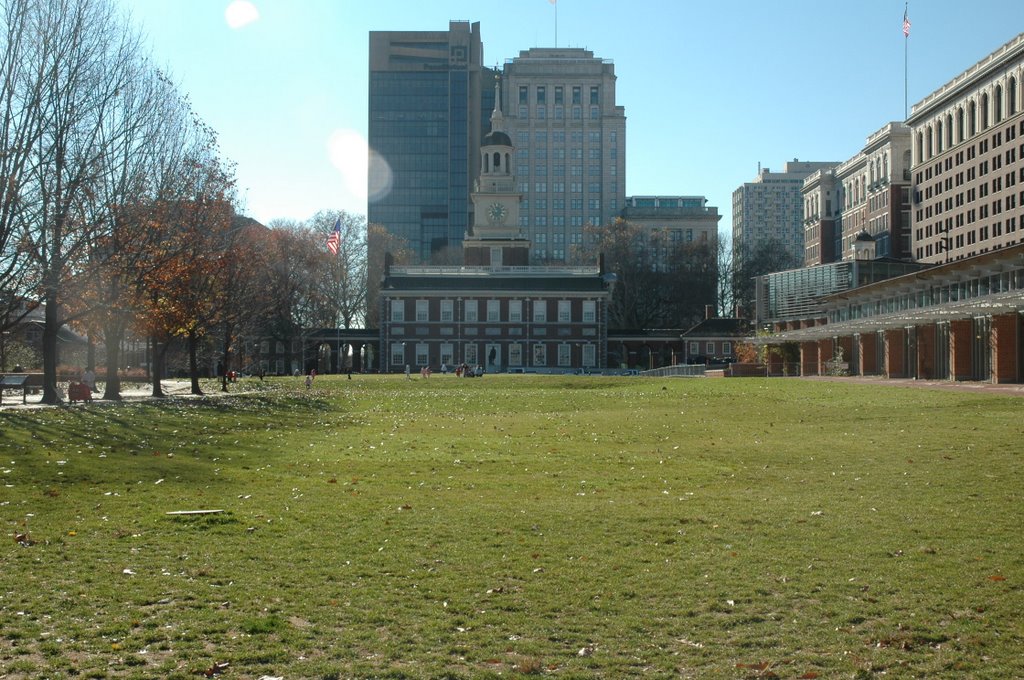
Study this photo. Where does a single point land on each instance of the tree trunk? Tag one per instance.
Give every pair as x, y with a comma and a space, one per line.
158, 367
226, 361
51, 327
113, 334
193, 363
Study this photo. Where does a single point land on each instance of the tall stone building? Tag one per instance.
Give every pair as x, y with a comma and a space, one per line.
867, 194
570, 138
429, 101
969, 160
770, 209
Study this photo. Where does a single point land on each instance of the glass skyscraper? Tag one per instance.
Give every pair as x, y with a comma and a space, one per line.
428, 109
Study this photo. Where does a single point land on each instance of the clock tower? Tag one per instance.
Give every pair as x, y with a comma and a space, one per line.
496, 238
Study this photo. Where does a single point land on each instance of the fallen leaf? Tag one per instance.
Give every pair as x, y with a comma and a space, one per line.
996, 577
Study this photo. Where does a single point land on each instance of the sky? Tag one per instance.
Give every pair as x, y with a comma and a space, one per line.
710, 89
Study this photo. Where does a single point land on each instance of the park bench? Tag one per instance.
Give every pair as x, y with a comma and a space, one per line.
25, 382
15, 382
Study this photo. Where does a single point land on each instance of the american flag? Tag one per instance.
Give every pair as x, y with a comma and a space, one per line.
334, 240
906, 25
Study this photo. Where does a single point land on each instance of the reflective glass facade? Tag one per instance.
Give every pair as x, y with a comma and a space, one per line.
425, 122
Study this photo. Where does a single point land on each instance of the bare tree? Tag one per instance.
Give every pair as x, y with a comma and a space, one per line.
83, 58
381, 243
20, 131
344, 280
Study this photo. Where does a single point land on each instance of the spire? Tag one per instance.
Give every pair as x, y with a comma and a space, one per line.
497, 119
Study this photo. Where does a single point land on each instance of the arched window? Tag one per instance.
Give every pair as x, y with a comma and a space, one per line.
929, 140
497, 161
920, 147
1011, 92
959, 125
949, 130
997, 105
972, 119
508, 163
487, 162
938, 135
984, 111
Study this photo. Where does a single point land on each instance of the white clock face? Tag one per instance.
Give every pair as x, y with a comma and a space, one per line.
497, 213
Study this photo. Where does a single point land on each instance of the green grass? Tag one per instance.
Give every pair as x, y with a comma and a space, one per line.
517, 525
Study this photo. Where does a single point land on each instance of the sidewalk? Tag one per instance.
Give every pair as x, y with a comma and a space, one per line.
130, 392
1008, 389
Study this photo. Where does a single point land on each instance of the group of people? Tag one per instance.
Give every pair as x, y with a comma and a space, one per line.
467, 371
461, 371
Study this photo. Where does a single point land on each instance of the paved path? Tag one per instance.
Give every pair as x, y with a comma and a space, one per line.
129, 392
1015, 389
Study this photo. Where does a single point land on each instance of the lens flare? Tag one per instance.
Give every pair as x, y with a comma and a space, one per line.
241, 13
366, 173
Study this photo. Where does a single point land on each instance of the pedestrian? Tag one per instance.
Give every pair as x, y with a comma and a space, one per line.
309, 379
407, 376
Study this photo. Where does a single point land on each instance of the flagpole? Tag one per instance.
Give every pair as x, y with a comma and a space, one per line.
906, 53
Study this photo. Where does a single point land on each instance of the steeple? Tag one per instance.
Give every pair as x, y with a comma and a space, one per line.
496, 238
497, 118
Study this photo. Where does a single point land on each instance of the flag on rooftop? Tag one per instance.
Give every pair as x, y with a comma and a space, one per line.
334, 239
906, 24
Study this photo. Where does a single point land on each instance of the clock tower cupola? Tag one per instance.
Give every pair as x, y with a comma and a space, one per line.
496, 238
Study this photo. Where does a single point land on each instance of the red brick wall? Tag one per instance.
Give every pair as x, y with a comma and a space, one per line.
926, 352
895, 356
960, 340
868, 354
1004, 348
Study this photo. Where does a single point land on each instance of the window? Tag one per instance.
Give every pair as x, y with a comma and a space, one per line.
515, 354
472, 311
589, 355
709, 348
524, 94
397, 354
540, 311
447, 357
422, 310
540, 355
565, 355
422, 354
564, 311
469, 354
559, 94
447, 310
594, 94
577, 94
493, 311
542, 94
589, 308
727, 348
398, 310
694, 348
515, 311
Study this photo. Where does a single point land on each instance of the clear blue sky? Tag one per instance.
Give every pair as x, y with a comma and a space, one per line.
710, 89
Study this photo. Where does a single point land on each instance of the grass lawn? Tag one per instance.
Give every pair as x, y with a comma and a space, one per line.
575, 527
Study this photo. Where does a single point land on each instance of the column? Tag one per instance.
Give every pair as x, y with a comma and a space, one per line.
1005, 348
809, 358
826, 352
960, 340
